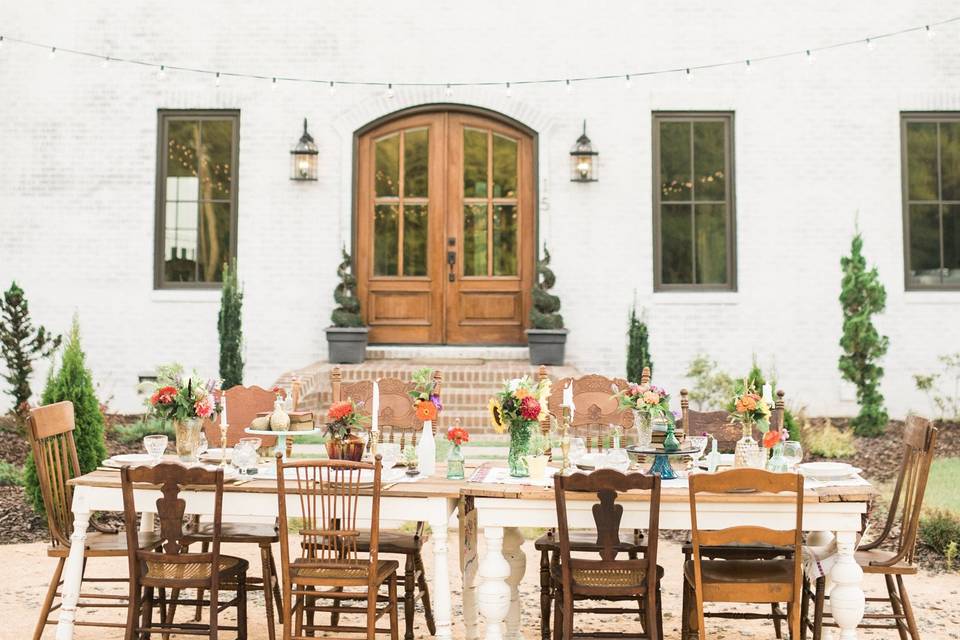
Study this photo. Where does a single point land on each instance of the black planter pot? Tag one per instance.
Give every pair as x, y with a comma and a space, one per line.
547, 346
347, 345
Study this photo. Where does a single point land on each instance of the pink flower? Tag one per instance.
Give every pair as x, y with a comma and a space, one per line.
204, 406
651, 397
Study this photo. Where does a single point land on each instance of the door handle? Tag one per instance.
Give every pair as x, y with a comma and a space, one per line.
451, 258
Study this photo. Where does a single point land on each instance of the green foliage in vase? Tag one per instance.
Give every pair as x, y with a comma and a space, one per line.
943, 388
638, 347
347, 312
862, 296
544, 311
20, 344
73, 382
230, 329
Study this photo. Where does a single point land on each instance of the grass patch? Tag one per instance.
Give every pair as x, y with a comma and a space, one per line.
827, 441
942, 486
145, 426
11, 475
940, 529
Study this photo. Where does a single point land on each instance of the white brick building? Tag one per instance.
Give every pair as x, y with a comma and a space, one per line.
814, 146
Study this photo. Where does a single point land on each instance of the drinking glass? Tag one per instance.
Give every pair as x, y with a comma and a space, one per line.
792, 453
155, 446
757, 459
203, 446
614, 459
245, 455
389, 454
700, 442
578, 449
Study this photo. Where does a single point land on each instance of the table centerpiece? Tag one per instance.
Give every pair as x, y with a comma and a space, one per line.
750, 411
649, 404
186, 401
518, 409
343, 418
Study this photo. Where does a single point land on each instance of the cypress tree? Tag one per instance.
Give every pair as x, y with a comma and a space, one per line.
230, 329
638, 347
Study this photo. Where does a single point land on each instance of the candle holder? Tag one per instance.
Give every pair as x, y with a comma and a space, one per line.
374, 441
223, 443
565, 438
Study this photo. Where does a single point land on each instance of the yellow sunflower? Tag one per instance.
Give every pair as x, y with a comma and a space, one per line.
496, 416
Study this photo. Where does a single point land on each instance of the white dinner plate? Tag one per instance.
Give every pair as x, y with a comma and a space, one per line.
827, 470
128, 460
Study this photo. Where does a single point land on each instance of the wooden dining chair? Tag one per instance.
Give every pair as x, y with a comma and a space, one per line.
172, 566
899, 534
328, 562
759, 581
597, 408
607, 577
50, 430
398, 423
717, 423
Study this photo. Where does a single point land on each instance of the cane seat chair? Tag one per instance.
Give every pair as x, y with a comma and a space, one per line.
919, 445
752, 580
609, 577
172, 566
398, 423
329, 561
50, 430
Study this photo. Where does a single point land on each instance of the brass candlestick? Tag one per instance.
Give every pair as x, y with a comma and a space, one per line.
223, 444
565, 438
374, 441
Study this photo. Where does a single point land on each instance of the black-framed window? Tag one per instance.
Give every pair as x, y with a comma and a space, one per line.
693, 201
196, 218
930, 156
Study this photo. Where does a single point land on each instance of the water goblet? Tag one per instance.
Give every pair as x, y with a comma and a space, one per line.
700, 442
578, 449
389, 454
792, 453
155, 446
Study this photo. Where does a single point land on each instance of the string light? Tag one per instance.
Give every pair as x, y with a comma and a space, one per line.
53, 53
810, 57
273, 84
931, 34
217, 80
747, 67
870, 45
333, 88
1, 42
509, 91
389, 91
627, 83
687, 75
448, 91
569, 86
105, 62
161, 72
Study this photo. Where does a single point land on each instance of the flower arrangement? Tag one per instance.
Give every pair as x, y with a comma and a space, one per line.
182, 398
774, 437
426, 400
517, 408
343, 417
457, 435
749, 408
648, 400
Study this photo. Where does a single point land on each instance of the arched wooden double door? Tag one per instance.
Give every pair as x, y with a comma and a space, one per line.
445, 229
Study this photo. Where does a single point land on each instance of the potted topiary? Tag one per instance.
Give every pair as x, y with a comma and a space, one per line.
347, 338
546, 336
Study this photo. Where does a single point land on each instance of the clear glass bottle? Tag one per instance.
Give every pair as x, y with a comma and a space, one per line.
747, 448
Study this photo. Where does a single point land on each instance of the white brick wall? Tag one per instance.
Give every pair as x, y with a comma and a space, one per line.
814, 146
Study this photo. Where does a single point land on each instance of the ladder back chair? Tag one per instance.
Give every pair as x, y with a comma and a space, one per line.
597, 407
759, 581
50, 430
919, 445
398, 424
329, 560
717, 423
607, 577
172, 566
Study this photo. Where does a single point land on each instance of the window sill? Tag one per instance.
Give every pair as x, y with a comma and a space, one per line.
695, 298
205, 296
927, 296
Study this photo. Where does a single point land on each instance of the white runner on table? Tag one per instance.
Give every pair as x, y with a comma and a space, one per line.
500, 475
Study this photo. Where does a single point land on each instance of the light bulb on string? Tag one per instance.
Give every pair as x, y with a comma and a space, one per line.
448, 90
105, 62
569, 86
273, 84
627, 82
931, 34
161, 72
389, 92
1, 42
687, 75
217, 80
870, 45
810, 58
509, 91
333, 88
53, 53
747, 67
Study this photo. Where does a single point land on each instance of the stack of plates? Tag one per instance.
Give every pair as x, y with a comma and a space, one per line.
828, 470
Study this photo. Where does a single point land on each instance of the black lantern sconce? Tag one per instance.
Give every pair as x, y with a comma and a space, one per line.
303, 157
584, 159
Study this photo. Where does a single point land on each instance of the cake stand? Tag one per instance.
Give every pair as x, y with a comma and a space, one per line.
661, 458
281, 437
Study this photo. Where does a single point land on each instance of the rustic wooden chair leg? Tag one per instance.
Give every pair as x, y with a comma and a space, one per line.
310, 604
48, 599
298, 613
133, 609
146, 612
557, 615
424, 589
685, 611
372, 614
394, 618
775, 611
804, 609
242, 608
268, 589
545, 597
214, 614
335, 616
819, 597
793, 617
204, 548
649, 617
408, 597
277, 595
907, 609
894, 598
659, 613
163, 610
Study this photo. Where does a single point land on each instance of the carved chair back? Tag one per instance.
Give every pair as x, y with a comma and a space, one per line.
243, 405
717, 423
50, 430
596, 408
919, 446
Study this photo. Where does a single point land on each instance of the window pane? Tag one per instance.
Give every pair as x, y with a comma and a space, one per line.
711, 239
925, 243
415, 163
676, 257
183, 138
475, 240
504, 167
709, 160
386, 234
922, 161
675, 180
414, 240
214, 240
951, 244
180, 242
387, 176
216, 156
950, 160
505, 240
474, 163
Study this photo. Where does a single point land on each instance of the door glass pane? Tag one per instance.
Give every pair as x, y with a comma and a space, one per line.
387, 172
504, 167
214, 240
216, 147
951, 244
709, 160
475, 240
925, 243
474, 163
950, 160
415, 239
505, 240
922, 161
415, 163
711, 239
676, 257
386, 234
675, 180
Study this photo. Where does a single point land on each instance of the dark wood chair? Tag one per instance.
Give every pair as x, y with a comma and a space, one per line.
329, 562
919, 445
50, 430
758, 581
172, 566
399, 424
607, 578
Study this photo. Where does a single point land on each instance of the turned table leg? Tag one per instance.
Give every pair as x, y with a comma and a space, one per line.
73, 573
493, 594
847, 601
517, 559
469, 563
441, 576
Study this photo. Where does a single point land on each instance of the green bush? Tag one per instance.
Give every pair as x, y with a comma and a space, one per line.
544, 310
145, 426
712, 389
638, 348
10, 475
347, 312
73, 382
230, 329
827, 441
943, 388
938, 528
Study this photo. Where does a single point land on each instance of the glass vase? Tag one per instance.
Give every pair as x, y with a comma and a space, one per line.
455, 469
747, 449
670, 442
777, 463
519, 445
188, 438
643, 428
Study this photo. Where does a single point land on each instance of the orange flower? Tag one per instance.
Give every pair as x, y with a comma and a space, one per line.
749, 402
340, 410
651, 397
521, 393
426, 410
770, 438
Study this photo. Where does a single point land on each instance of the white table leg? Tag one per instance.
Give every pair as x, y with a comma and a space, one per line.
517, 559
147, 522
469, 562
847, 601
73, 572
442, 612
493, 594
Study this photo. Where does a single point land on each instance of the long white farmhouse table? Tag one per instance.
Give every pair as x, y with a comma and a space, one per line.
490, 583
433, 500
